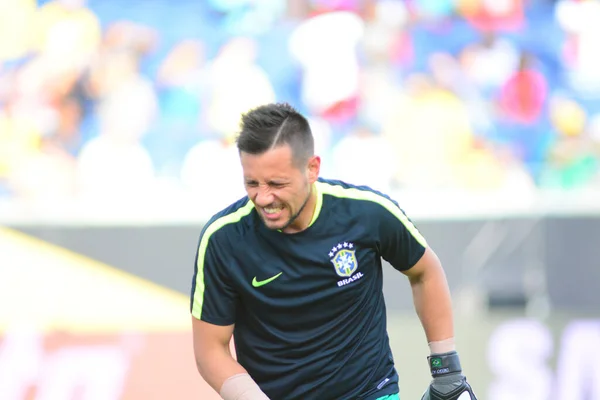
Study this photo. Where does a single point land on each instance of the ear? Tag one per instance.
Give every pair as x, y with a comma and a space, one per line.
314, 168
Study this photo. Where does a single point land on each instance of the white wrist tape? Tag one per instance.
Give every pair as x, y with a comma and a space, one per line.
241, 387
442, 346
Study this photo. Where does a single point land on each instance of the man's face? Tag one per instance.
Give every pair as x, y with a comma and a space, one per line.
279, 189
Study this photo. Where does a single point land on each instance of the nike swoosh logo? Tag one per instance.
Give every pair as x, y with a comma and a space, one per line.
256, 283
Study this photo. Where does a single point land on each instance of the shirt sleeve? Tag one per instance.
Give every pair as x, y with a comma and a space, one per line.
400, 242
213, 295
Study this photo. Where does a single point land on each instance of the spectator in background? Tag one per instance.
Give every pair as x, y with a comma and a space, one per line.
66, 32
183, 92
121, 40
573, 161
35, 165
65, 136
385, 51
317, 7
39, 109
58, 38
448, 74
580, 56
325, 46
36, 89
365, 157
237, 84
322, 135
30, 114
45, 179
494, 15
523, 95
522, 110
431, 134
114, 168
20, 139
116, 64
483, 167
432, 10
47, 176
115, 165
16, 20
211, 173
248, 17
490, 62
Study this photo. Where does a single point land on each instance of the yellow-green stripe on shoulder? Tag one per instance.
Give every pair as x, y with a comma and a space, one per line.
214, 226
368, 195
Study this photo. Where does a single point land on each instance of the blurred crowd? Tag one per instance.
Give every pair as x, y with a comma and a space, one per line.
129, 100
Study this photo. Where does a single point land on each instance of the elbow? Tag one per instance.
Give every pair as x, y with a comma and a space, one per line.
207, 355
199, 363
416, 280
201, 357
203, 366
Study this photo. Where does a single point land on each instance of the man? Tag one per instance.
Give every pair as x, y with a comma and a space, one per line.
293, 271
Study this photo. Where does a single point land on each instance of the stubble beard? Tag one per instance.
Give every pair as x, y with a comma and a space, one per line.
295, 216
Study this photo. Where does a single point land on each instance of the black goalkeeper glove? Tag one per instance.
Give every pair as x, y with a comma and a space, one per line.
448, 381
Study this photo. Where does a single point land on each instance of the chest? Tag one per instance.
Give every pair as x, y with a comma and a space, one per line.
293, 275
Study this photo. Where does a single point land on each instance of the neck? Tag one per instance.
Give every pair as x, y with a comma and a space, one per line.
305, 215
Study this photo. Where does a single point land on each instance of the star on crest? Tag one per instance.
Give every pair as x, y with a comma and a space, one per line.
340, 246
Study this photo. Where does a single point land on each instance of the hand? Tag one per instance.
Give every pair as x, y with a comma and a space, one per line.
448, 381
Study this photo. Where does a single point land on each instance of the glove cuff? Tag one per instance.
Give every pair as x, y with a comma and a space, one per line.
444, 364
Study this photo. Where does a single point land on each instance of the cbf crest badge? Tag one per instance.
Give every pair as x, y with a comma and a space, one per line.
343, 257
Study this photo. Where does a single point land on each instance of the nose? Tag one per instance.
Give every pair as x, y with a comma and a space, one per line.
263, 197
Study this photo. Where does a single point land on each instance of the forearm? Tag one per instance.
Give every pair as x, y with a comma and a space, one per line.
216, 365
433, 304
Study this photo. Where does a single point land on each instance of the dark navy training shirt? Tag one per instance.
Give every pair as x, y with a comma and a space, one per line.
308, 308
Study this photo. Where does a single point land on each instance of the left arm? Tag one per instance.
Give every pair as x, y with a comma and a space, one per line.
434, 307
432, 297
403, 246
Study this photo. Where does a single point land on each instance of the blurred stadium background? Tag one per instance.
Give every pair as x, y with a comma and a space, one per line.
117, 120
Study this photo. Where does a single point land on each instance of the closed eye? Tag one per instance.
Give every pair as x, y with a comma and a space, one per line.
272, 184
277, 185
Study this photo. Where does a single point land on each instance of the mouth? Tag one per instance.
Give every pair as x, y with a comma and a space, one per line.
272, 212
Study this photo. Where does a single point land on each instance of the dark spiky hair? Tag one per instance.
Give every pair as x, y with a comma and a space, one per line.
272, 125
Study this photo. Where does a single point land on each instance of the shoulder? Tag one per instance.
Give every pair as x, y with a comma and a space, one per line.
375, 208
364, 197
230, 221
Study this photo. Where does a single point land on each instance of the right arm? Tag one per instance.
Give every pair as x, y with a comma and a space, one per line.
212, 352
213, 309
